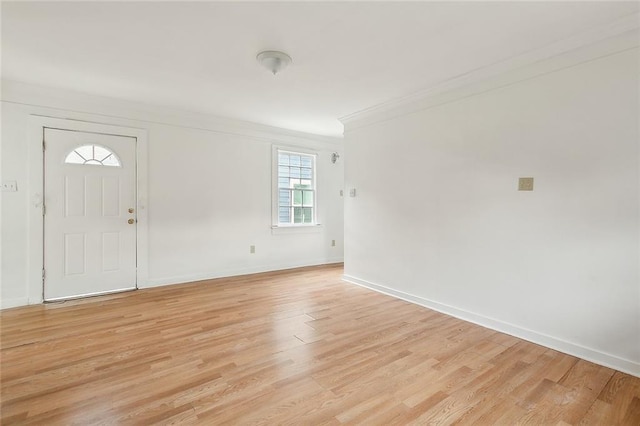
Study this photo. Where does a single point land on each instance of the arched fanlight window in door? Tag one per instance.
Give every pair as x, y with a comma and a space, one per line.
93, 155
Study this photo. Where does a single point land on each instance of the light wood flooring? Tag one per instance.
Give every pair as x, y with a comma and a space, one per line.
295, 347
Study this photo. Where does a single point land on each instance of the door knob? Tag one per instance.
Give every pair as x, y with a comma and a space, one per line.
130, 221
131, 210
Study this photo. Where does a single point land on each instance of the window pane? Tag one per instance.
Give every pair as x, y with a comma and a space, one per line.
294, 172
285, 198
74, 158
94, 155
294, 183
297, 215
283, 159
85, 151
111, 160
307, 198
297, 198
307, 214
100, 153
294, 160
284, 215
283, 182
306, 161
306, 173
283, 171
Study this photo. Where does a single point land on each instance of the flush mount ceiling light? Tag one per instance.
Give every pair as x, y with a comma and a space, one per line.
273, 60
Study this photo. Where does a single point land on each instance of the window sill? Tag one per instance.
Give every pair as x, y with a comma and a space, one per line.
296, 229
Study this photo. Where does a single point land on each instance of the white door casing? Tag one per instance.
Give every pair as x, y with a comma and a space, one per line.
90, 218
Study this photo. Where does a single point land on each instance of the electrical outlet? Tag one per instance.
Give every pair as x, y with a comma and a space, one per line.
333, 243
525, 184
252, 249
9, 186
341, 193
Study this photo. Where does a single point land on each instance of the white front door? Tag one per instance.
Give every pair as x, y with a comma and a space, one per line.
90, 213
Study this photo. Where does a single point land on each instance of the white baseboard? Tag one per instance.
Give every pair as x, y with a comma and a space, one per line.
13, 303
595, 356
181, 279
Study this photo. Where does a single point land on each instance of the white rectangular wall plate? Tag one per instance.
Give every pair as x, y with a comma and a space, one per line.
9, 186
525, 184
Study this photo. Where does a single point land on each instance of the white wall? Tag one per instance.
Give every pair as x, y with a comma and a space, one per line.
209, 191
438, 220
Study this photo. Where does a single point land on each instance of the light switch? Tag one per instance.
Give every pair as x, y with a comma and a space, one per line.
9, 186
525, 184
352, 192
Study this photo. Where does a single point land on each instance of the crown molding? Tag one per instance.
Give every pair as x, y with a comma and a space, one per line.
91, 108
618, 36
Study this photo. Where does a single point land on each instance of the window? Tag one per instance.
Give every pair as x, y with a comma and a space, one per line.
295, 194
92, 154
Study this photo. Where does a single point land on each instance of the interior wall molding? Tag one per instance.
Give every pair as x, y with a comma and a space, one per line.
589, 354
128, 113
212, 275
13, 303
616, 37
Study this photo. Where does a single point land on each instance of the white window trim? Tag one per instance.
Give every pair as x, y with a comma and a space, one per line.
277, 227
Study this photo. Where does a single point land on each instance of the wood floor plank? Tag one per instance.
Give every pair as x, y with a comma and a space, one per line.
287, 347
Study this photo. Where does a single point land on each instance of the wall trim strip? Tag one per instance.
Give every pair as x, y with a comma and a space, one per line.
533, 336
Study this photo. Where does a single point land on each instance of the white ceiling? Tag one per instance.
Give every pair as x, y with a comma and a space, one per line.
346, 56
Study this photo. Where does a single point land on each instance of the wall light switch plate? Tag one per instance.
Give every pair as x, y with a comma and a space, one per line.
352, 192
525, 184
9, 186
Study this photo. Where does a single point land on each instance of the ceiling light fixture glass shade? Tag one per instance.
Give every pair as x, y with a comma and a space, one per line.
273, 60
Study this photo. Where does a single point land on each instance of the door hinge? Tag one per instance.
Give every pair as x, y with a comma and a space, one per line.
43, 274
44, 145
44, 210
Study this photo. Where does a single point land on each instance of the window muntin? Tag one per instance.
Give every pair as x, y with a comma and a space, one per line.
296, 188
93, 155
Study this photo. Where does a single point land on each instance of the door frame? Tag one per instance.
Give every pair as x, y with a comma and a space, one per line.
35, 231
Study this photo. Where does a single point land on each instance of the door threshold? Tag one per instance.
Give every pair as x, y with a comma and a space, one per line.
87, 295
